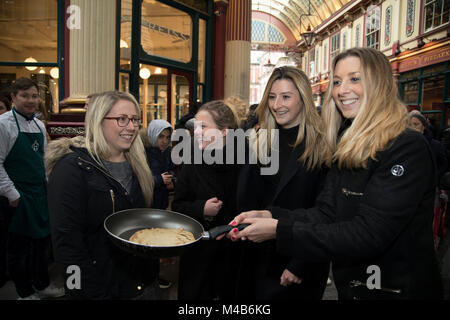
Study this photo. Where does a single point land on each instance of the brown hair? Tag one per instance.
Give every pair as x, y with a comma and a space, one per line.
223, 114
23, 84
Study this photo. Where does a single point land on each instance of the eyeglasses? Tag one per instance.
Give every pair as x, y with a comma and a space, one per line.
123, 121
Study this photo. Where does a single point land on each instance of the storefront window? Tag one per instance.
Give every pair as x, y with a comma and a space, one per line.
29, 34
124, 82
410, 92
373, 27
335, 45
436, 13
125, 34
28, 30
166, 31
201, 50
153, 93
432, 93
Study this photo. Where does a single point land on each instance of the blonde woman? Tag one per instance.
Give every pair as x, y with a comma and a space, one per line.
286, 106
373, 217
90, 178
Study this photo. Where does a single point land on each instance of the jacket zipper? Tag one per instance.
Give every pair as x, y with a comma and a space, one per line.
356, 283
113, 201
105, 172
111, 192
351, 193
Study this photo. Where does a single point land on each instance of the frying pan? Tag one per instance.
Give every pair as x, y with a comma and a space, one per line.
121, 225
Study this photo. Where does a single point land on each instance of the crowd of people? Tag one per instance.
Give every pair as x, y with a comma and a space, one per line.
361, 186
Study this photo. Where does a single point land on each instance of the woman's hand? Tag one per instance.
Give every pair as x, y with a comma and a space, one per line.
212, 207
288, 278
251, 214
167, 178
259, 230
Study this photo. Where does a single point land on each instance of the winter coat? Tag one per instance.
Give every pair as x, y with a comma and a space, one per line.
262, 266
81, 195
207, 270
374, 224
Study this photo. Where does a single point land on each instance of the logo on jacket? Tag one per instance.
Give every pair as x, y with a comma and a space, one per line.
397, 170
35, 146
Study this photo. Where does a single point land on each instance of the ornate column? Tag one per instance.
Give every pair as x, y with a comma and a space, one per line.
237, 51
92, 49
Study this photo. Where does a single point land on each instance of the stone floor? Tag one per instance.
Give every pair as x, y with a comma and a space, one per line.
8, 292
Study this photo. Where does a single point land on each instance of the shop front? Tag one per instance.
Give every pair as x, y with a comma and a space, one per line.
158, 50
424, 81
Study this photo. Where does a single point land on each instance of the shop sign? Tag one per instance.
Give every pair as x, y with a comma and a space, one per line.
424, 60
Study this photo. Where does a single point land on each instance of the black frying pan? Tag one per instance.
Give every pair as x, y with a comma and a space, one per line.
121, 225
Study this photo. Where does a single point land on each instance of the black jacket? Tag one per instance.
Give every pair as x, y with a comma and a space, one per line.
378, 216
159, 163
207, 271
262, 266
80, 196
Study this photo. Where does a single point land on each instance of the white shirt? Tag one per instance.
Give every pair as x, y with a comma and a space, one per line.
8, 136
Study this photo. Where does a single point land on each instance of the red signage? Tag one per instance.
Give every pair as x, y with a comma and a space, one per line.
425, 59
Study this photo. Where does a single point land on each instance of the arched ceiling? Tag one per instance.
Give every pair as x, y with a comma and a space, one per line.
299, 14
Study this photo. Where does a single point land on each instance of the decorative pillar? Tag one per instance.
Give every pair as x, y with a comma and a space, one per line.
220, 27
92, 49
237, 51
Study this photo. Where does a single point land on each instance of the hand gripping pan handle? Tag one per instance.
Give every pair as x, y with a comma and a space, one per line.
217, 231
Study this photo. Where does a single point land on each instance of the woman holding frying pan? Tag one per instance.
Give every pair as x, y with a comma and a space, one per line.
374, 215
90, 178
207, 193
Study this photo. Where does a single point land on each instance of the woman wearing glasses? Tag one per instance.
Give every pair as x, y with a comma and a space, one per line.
89, 178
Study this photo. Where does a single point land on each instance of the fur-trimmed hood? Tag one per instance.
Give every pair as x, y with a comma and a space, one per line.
56, 149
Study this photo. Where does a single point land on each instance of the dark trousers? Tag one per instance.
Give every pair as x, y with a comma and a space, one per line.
5, 216
28, 263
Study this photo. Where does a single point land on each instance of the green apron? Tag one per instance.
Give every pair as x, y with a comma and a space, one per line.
25, 167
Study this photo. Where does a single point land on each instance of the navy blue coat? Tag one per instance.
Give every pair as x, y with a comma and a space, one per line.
159, 162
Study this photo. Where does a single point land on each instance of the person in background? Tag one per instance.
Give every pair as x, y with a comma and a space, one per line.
90, 178
23, 182
373, 217
5, 103
207, 193
5, 209
158, 155
287, 106
251, 119
158, 134
418, 122
181, 124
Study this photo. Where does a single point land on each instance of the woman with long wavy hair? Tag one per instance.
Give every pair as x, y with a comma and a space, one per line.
286, 108
90, 178
373, 217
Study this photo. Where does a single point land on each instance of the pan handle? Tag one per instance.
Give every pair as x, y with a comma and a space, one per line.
217, 231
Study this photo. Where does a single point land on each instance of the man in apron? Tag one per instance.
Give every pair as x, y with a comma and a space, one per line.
23, 182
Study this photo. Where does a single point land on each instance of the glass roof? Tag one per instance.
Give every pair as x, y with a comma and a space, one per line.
297, 15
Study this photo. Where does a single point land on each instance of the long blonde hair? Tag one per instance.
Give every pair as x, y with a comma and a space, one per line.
99, 148
381, 116
311, 126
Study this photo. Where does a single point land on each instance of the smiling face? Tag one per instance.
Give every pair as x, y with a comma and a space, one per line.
120, 138
285, 103
206, 130
26, 101
348, 91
